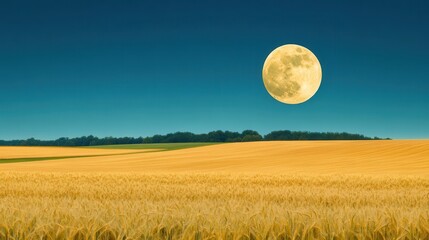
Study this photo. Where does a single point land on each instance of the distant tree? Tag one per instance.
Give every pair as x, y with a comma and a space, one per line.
252, 138
179, 137
249, 132
217, 136
298, 135
279, 135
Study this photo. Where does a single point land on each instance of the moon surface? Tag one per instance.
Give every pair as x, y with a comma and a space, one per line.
292, 74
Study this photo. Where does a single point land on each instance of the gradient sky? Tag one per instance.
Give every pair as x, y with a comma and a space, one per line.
138, 68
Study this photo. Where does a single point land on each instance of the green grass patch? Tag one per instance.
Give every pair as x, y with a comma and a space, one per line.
16, 160
156, 146
160, 146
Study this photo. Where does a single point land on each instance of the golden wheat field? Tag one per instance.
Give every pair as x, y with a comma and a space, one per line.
261, 190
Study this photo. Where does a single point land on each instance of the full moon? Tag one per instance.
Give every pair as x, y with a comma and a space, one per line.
292, 74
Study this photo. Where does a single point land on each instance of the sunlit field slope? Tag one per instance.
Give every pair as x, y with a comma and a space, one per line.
359, 157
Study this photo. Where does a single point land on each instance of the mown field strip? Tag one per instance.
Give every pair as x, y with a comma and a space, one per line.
41, 152
16, 160
159, 146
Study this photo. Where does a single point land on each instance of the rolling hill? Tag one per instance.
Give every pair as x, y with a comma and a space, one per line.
405, 157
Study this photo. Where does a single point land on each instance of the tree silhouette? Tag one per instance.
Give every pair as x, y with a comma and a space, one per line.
183, 137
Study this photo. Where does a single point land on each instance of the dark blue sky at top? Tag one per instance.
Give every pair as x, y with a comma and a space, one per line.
138, 68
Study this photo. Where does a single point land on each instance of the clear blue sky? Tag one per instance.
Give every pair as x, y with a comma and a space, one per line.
138, 68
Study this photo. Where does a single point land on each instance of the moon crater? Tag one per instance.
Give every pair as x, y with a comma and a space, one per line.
292, 74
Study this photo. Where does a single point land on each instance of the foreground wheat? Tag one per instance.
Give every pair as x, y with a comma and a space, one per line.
211, 206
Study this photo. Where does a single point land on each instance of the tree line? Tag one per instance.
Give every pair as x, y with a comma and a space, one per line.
183, 137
